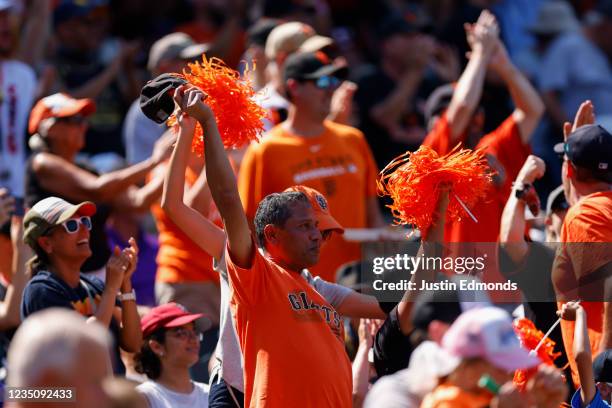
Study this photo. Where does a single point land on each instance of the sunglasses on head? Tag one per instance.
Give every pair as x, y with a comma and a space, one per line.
72, 225
73, 120
326, 82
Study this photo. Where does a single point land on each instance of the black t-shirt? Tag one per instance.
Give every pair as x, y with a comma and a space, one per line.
392, 348
98, 241
46, 290
533, 277
374, 86
104, 131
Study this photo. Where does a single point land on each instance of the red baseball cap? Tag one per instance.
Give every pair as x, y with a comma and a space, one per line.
59, 105
320, 207
166, 316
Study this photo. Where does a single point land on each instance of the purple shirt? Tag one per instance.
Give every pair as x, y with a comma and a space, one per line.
143, 280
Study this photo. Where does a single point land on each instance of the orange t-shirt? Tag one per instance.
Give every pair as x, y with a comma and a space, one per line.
292, 340
506, 153
338, 163
179, 259
588, 222
451, 396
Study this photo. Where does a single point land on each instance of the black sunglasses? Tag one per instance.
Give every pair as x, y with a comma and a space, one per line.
73, 120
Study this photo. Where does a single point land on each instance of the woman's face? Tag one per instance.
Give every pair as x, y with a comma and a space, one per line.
69, 132
182, 345
59, 243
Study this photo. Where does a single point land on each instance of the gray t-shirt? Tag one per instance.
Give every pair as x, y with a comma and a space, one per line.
159, 396
228, 353
578, 70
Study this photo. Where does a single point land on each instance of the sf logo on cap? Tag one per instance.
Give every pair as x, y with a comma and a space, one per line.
321, 201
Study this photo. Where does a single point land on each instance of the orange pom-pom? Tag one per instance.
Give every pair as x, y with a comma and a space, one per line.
412, 179
239, 117
530, 337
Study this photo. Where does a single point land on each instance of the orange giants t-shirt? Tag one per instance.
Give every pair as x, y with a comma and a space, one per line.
586, 243
179, 259
292, 340
451, 396
338, 163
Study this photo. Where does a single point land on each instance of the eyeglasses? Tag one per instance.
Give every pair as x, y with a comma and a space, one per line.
73, 120
326, 82
72, 225
185, 334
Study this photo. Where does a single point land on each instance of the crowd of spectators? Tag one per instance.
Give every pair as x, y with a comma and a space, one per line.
139, 273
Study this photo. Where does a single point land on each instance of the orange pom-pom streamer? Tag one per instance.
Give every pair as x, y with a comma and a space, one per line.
412, 179
239, 117
530, 337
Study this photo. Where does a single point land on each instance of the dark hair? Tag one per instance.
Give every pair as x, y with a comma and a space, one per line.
40, 261
146, 361
585, 175
275, 209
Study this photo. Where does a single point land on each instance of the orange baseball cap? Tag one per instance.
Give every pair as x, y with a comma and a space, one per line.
59, 105
319, 204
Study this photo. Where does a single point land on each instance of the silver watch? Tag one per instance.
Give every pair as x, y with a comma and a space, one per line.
127, 296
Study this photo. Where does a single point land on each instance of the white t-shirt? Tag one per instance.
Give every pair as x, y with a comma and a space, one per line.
140, 134
17, 88
159, 396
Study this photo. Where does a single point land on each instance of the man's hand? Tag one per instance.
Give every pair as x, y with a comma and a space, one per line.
191, 101
533, 169
585, 115
569, 310
342, 102
547, 388
483, 35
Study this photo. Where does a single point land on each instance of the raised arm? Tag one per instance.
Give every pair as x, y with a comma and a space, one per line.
581, 350
197, 227
529, 107
512, 230
68, 180
9, 308
221, 178
434, 236
465, 100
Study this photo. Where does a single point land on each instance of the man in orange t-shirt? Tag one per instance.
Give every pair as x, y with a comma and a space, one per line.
582, 266
455, 117
290, 337
308, 150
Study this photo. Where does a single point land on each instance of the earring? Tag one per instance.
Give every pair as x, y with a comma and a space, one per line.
161, 354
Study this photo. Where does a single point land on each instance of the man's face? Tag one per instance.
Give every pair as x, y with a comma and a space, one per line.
314, 96
298, 242
566, 180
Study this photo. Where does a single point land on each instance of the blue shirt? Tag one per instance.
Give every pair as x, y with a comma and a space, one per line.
597, 402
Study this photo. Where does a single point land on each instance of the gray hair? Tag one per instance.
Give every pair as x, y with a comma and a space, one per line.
50, 340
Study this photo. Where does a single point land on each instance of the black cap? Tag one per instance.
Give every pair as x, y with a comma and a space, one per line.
395, 24
156, 100
590, 147
258, 33
556, 201
602, 367
69, 9
442, 305
312, 65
